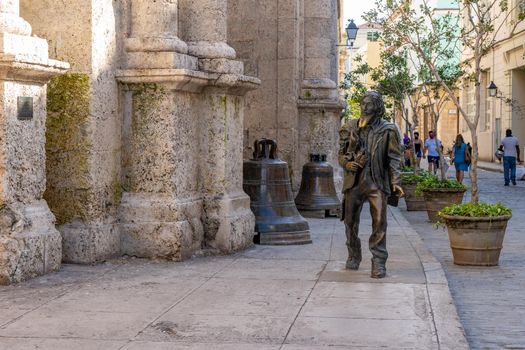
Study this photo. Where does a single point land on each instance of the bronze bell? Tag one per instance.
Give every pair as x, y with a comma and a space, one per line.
317, 192
267, 181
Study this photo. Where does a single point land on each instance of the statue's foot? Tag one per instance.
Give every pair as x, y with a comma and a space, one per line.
352, 264
378, 269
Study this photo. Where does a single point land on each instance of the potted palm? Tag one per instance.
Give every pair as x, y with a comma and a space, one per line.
409, 181
476, 232
439, 194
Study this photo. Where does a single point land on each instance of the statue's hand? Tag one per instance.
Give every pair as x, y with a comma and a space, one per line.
352, 166
398, 191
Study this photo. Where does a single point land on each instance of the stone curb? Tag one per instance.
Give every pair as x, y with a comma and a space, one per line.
490, 168
447, 326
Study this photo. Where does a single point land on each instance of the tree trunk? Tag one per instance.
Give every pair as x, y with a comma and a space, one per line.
438, 148
413, 146
474, 167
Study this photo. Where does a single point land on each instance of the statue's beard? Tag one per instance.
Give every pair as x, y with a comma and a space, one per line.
365, 120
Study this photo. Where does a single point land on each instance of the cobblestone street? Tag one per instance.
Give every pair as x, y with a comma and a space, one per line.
490, 300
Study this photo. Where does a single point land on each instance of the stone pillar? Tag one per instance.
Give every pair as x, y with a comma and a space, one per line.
154, 41
228, 221
10, 20
319, 103
29, 243
181, 152
205, 26
205, 29
83, 125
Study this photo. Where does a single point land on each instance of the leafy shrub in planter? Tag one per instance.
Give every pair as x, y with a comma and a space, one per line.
478, 210
412, 179
476, 232
433, 183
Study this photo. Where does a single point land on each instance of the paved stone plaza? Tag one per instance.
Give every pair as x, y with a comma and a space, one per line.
489, 300
297, 297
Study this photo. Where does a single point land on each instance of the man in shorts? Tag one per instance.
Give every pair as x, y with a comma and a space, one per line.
431, 146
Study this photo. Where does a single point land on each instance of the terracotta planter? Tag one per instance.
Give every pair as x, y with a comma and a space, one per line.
439, 198
476, 241
413, 201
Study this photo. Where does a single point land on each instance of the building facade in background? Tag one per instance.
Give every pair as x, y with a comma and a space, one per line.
504, 64
435, 107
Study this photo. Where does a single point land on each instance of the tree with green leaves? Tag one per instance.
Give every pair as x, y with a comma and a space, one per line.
354, 87
435, 38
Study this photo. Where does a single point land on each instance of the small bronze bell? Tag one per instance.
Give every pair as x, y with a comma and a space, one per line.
317, 192
266, 180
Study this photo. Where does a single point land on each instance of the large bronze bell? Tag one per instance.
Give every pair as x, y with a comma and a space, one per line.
267, 181
317, 192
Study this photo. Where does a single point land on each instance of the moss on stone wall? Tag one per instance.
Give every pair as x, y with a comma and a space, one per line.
146, 99
117, 190
68, 146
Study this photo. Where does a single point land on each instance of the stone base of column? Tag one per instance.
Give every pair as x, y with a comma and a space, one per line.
229, 223
24, 48
221, 65
161, 60
88, 243
158, 226
319, 124
322, 89
206, 49
29, 243
14, 24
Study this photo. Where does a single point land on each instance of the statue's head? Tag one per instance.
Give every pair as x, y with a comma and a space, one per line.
372, 108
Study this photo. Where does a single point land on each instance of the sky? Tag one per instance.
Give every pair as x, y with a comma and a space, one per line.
355, 9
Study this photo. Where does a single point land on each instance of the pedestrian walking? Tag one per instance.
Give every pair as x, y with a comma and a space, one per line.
417, 148
431, 146
511, 153
407, 153
460, 157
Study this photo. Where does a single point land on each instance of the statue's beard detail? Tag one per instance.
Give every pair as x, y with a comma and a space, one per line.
365, 120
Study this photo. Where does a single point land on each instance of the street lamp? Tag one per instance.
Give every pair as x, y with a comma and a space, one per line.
351, 33
493, 89
351, 30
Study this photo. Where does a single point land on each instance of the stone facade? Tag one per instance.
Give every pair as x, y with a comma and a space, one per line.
30, 245
144, 137
504, 64
291, 46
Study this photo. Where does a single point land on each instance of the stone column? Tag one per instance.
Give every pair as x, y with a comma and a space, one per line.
29, 243
154, 41
182, 180
228, 221
319, 103
10, 20
205, 29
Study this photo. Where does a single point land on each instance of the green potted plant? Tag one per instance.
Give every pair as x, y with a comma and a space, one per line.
409, 181
476, 232
439, 194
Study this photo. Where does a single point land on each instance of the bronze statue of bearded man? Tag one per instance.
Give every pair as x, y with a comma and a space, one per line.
370, 153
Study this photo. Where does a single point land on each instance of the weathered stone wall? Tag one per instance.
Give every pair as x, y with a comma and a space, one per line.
29, 242
228, 220
30, 245
291, 47
182, 134
83, 131
145, 136
160, 167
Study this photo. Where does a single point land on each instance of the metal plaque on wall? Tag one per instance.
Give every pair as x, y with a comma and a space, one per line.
25, 108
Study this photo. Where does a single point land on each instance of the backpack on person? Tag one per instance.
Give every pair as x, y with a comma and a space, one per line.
469, 150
